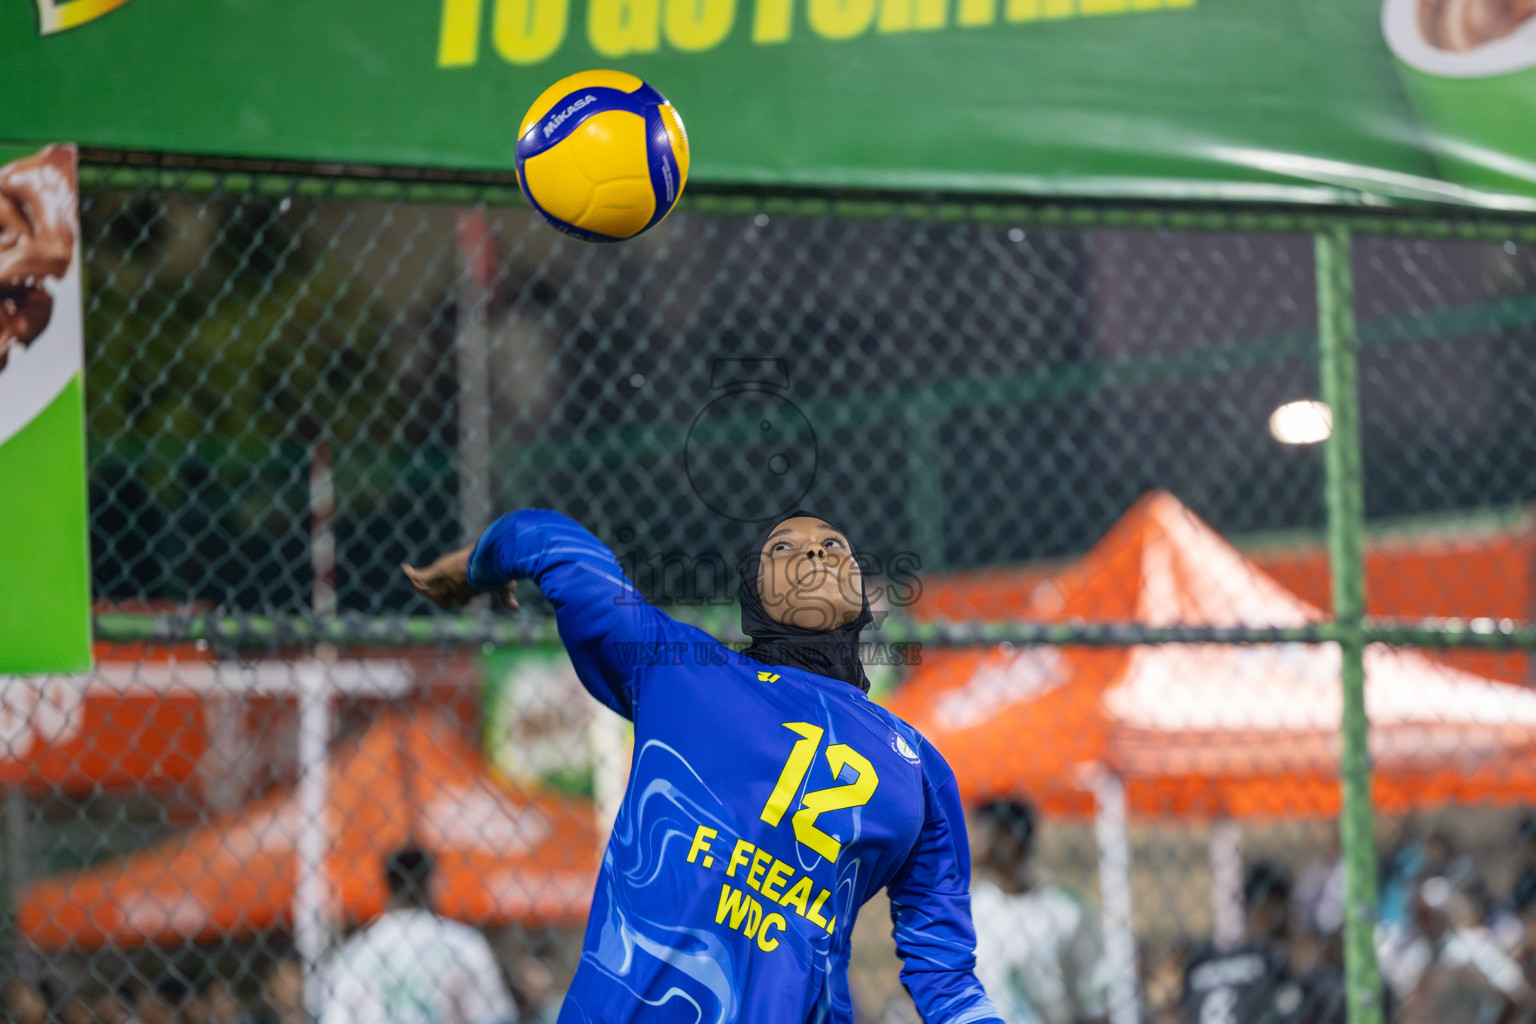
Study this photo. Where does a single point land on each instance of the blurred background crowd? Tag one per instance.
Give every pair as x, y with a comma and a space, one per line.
1456, 942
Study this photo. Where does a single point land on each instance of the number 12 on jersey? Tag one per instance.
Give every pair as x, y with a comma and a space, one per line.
834, 798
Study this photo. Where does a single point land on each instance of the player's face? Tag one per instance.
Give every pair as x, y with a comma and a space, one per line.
807, 576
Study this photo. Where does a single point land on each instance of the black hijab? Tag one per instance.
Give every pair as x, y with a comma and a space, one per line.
831, 652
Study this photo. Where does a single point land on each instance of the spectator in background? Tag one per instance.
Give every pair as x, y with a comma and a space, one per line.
1448, 966
24, 1003
1512, 923
1162, 984
1317, 962
1410, 861
216, 1003
1038, 953
212, 1002
1525, 845
1319, 894
1524, 952
163, 1003
74, 1009
1250, 983
119, 1004
194, 1009
535, 986
282, 994
412, 966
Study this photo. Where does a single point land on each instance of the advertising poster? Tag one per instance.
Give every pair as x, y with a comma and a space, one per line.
1248, 100
538, 719
44, 543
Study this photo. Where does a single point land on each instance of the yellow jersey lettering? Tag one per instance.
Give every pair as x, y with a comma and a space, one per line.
814, 914
732, 903
835, 798
777, 876
760, 861
701, 839
764, 943
739, 857
754, 917
798, 895
799, 762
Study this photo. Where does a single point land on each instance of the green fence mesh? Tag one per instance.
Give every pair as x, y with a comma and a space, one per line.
1055, 435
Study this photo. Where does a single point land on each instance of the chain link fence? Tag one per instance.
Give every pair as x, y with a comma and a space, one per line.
1053, 433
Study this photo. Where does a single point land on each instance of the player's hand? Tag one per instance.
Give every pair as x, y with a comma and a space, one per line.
446, 582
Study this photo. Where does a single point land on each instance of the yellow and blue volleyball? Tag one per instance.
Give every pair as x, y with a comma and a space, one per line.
602, 156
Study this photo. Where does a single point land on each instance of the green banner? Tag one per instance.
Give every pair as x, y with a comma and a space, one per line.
45, 590
1244, 99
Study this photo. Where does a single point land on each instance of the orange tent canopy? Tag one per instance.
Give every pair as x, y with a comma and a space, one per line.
132, 726
111, 730
502, 856
65, 734
1207, 729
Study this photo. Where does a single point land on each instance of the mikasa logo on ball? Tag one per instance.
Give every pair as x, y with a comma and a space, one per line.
564, 115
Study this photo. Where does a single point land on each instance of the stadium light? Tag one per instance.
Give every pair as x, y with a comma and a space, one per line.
1304, 422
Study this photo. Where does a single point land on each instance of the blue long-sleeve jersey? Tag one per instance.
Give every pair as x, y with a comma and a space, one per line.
765, 806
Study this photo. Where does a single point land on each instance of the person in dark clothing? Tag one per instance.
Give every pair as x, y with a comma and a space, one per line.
1251, 982
795, 797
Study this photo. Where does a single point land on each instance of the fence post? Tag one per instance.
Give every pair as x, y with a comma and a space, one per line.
1346, 527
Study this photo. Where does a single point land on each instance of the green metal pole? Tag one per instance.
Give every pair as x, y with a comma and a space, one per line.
1346, 530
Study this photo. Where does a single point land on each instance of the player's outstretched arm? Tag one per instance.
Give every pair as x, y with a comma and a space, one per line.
608, 629
931, 909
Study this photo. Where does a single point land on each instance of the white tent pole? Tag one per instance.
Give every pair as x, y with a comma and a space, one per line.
1226, 883
311, 887
1115, 896
322, 531
477, 277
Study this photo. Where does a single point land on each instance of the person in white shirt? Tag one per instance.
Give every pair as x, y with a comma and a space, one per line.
413, 967
1038, 953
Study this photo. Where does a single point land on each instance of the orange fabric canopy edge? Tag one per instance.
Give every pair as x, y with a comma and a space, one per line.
502, 856
1483, 572
74, 735
1203, 730
78, 738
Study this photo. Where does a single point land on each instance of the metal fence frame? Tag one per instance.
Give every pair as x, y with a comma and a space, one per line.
1337, 341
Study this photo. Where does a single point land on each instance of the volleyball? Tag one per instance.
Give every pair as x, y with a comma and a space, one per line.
602, 156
